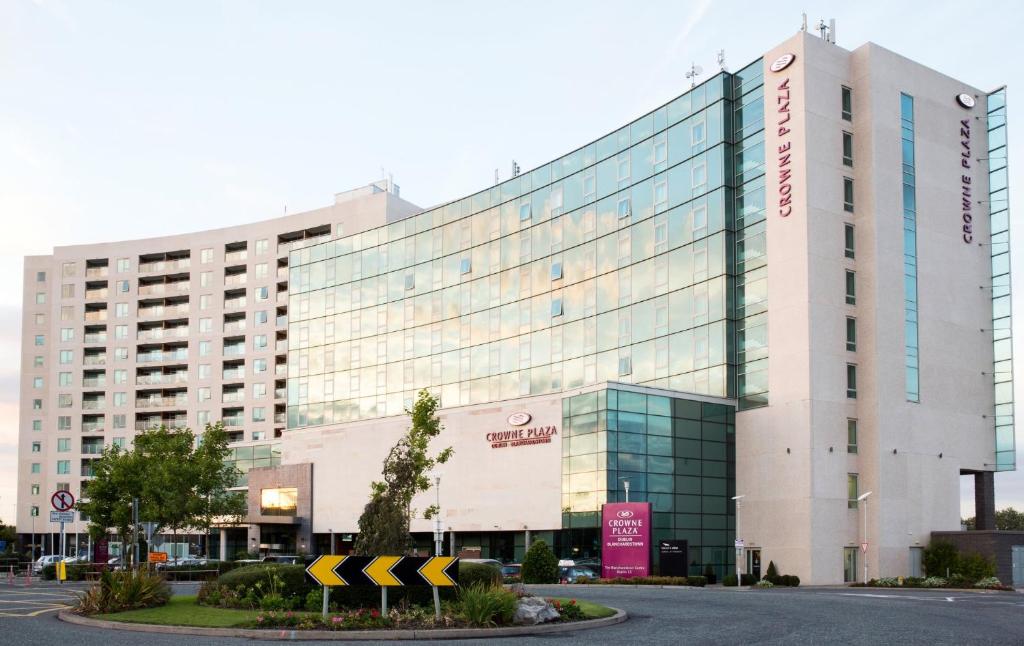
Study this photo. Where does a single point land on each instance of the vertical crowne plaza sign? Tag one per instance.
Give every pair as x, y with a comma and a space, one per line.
966, 101
784, 150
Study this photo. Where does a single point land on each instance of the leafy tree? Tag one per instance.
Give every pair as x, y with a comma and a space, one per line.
1008, 519
178, 484
940, 558
540, 564
384, 523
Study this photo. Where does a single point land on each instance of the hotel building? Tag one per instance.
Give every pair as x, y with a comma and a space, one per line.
789, 285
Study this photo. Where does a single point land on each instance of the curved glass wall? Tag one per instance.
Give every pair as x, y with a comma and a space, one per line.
613, 263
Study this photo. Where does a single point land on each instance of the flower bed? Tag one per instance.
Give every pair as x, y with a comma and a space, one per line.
954, 582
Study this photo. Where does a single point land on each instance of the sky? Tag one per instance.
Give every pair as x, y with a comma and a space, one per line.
123, 120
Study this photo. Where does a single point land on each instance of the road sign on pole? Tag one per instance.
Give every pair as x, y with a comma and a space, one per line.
62, 516
62, 500
384, 571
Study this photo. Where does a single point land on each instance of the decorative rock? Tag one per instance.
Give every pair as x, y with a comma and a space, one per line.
534, 610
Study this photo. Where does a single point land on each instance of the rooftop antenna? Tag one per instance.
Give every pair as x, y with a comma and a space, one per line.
721, 61
496, 180
832, 30
803, 21
695, 70
823, 30
515, 169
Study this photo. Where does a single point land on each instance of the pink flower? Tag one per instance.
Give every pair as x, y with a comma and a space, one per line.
374, 613
337, 620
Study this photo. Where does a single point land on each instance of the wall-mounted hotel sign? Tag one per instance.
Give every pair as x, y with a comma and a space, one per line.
784, 150
523, 435
966, 101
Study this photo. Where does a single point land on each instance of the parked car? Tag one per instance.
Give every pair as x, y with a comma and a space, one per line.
286, 559
573, 573
491, 562
43, 561
512, 571
590, 562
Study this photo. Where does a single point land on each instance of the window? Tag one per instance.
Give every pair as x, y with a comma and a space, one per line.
660, 149
67, 290
204, 301
622, 168
120, 354
120, 421
120, 310
556, 307
851, 288
37, 424
847, 110
847, 149
205, 278
262, 270
204, 394
63, 378
848, 236
259, 391
261, 293
117, 442
524, 212
67, 334
63, 467
40, 319
35, 467
37, 382
67, 312
40, 339
203, 417
851, 381
410, 281
850, 564
699, 177
848, 195
625, 366
63, 444
65, 357
37, 404
851, 490
259, 341
206, 325
121, 332
623, 208
465, 266
40, 276
279, 502
205, 348
67, 269
64, 400
124, 264
205, 256
851, 436
120, 399
259, 365
40, 298
205, 371
35, 490
851, 334
261, 317
64, 423
123, 286
35, 508
259, 414
698, 133
37, 361
556, 270
261, 246
120, 376
259, 435
37, 447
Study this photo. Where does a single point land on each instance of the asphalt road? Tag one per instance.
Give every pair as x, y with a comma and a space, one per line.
658, 616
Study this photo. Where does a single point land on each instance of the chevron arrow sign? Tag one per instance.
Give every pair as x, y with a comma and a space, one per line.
385, 571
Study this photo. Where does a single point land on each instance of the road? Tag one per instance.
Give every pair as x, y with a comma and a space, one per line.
658, 616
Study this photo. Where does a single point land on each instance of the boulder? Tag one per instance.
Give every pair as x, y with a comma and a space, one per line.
534, 610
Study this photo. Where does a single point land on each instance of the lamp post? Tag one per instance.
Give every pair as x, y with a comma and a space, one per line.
863, 498
625, 485
739, 550
438, 533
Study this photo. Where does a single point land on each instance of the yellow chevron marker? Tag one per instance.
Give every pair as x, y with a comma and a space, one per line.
322, 569
379, 570
433, 571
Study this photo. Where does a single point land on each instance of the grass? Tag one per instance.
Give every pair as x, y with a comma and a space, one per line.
590, 610
184, 611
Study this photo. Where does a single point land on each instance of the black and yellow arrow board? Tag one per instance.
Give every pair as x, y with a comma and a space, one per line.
441, 571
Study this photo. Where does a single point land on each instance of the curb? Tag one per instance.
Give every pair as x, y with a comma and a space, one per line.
354, 635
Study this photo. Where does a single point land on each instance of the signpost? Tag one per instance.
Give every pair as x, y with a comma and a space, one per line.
63, 502
625, 539
385, 571
673, 557
158, 557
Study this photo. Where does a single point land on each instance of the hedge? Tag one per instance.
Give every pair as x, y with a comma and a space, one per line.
692, 581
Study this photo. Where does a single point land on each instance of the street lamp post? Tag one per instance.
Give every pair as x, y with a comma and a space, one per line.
625, 485
739, 550
863, 498
438, 533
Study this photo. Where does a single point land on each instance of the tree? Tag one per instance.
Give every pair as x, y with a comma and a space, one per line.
178, 484
940, 558
1008, 519
384, 523
540, 564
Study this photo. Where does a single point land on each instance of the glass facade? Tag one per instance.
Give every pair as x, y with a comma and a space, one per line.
911, 356
999, 213
244, 458
678, 454
637, 258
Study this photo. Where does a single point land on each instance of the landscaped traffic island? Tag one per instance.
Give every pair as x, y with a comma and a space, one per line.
275, 601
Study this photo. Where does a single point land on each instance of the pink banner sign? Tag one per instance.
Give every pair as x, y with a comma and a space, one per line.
625, 539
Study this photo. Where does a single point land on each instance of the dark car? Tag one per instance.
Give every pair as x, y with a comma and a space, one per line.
284, 559
511, 572
573, 573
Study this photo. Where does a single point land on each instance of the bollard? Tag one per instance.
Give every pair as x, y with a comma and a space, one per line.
10, 576
28, 575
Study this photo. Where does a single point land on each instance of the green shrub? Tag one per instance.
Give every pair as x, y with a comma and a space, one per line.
696, 581
315, 600
990, 583
794, 581
486, 606
729, 580
764, 583
934, 582
570, 611
772, 574
709, 573
473, 573
128, 590
49, 572
975, 567
540, 564
748, 579
293, 579
913, 582
939, 559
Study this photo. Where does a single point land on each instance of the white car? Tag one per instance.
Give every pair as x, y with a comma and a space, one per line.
43, 561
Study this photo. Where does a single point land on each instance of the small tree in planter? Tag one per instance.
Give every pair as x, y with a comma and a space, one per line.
772, 575
709, 574
540, 564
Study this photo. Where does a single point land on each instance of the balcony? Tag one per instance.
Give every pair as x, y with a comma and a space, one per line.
96, 315
280, 418
160, 289
234, 303
157, 333
281, 345
177, 401
88, 469
234, 421
95, 337
236, 395
281, 370
286, 247
96, 272
234, 350
282, 272
94, 382
94, 404
236, 279
162, 355
282, 321
100, 293
232, 257
161, 378
280, 393
282, 297
94, 359
154, 311
164, 265
234, 326
92, 448
92, 427
156, 422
